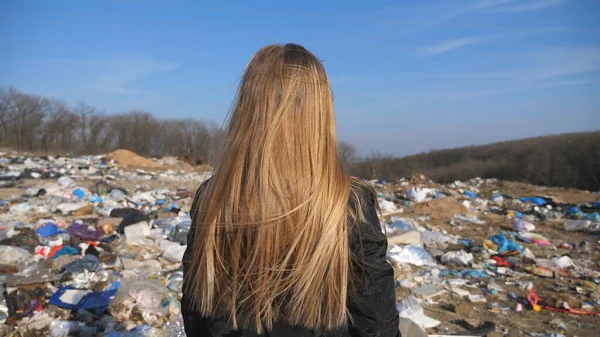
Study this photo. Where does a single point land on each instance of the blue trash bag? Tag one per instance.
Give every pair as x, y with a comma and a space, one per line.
96, 198
535, 201
505, 244
48, 229
470, 194
593, 217
79, 193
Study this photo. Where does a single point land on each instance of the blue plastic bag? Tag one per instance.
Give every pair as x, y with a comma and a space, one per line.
535, 201
593, 217
79, 193
66, 250
505, 244
96, 198
470, 194
46, 230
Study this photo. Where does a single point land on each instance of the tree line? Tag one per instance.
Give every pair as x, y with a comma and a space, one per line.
566, 160
38, 124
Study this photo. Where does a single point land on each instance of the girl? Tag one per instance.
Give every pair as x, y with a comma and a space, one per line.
283, 241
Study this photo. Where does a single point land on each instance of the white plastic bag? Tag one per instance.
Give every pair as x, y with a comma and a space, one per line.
417, 194
138, 230
66, 183
172, 251
458, 257
411, 254
12, 255
410, 308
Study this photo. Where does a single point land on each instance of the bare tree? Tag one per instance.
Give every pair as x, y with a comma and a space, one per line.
347, 153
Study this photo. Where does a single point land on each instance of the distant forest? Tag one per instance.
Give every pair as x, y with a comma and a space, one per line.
39, 124
566, 160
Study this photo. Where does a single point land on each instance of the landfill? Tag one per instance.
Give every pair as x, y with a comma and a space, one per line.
92, 246
493, 258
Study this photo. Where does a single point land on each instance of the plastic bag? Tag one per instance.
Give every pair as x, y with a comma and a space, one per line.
504, 244
175, 281
411, 254
138, 230
470, 195
387, 206
521, 225
417, 194
538, 239
535, 201
410, 308
582, 226
150, 297
173, 251
497, 200
563, 262
459, 257
12, 255
66, 183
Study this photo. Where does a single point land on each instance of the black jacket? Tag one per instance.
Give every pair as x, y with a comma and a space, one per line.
373, 308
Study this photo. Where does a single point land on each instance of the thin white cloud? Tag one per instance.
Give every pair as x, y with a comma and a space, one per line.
484, 4
545, 66
530, 6
567, 83
476, 6
446, 46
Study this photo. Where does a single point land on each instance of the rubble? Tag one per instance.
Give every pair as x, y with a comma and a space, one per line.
92, 246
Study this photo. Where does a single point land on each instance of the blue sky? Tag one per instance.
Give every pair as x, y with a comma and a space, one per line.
408, 76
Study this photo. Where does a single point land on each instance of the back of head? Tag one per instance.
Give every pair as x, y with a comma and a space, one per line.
272, 235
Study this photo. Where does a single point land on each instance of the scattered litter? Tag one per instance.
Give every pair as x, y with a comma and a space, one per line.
93, 245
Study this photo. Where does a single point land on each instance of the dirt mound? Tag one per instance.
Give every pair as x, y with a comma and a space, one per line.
131, 159
441, 208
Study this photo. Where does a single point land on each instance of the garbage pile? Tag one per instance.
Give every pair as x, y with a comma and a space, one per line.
87, 250
92, 246
492, 258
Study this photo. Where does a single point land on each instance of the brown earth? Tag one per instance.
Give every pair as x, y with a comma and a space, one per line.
128, 158
440, 208
516, 189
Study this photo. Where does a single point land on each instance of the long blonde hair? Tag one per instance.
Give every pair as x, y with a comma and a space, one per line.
272, 227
